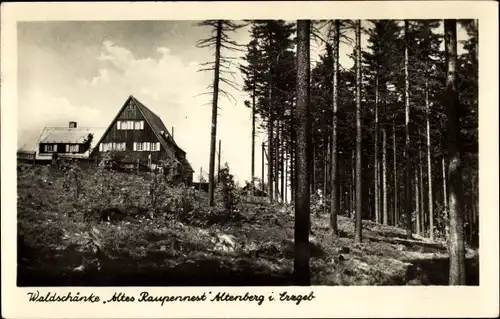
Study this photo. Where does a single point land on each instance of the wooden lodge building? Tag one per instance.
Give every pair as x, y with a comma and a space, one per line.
142, 138
67, 142
137, 133
71, 142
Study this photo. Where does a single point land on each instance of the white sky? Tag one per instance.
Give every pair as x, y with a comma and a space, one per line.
84, 71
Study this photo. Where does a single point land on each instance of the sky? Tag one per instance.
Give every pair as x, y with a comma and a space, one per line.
85, 70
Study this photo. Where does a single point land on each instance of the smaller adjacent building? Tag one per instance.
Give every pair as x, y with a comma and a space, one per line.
67, 142
71, 141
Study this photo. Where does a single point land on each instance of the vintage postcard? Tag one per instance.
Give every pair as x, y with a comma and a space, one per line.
291, 159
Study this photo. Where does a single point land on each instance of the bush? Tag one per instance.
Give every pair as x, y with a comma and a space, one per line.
40, 236
319, 203
72, 177
113, 159
441, 221
226, 193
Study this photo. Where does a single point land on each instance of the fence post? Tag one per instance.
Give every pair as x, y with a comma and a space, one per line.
201, 177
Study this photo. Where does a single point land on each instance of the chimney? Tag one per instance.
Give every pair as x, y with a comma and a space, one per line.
172, 132
72, 124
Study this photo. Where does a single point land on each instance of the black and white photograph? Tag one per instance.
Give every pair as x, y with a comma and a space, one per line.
247, 152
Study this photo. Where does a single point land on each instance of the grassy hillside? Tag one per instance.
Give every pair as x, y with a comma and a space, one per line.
170, 237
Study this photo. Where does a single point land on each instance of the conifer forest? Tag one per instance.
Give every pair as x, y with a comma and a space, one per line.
370, 173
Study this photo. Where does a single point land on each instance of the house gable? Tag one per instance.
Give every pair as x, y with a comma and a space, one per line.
152, 130
130, 128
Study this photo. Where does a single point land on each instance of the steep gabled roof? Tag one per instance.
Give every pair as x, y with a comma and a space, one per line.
155, 122
156, 125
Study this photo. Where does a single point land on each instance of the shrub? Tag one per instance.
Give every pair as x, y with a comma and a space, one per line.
112, 159
441, 221
72, 177
226, 193
157, 189
40, 236
318, 203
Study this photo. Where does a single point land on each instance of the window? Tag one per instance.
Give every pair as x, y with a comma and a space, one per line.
155, 146
104, 147
146, 146
72, 148
49, 148
138, 125
129, 125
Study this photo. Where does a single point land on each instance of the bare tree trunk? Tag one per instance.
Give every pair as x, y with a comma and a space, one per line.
253, 140
292, 174
417, 204
262, 168
276, 157
213, 135
270, 150
325, 173
408, 169
429, 162
282, 164
456, 241
313, 168
353, 184
384, 177
358, 236
303, 125
341, 199
421, 192
445, 191
293, 154
375, 165
395, 173
218, 163
286, 180
334, 209
476, 28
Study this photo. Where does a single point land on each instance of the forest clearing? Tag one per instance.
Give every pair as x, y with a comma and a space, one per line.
178, 240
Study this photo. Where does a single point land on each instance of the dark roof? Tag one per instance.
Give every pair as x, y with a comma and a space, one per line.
157, 126
155, 122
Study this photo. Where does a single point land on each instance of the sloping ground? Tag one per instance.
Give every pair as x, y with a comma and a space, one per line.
57, 248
